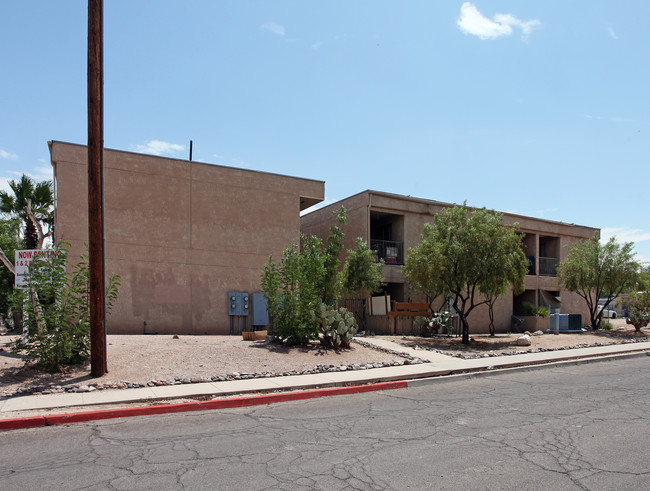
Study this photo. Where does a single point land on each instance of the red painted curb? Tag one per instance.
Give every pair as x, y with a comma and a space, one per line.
59, 419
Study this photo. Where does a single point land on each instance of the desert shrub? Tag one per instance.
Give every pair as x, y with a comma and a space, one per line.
608, 326
639, 314
337, 326
439, 322
638, 318
292, 291
57, 311
535, 311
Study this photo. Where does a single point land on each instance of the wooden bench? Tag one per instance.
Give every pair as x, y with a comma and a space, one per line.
405, 309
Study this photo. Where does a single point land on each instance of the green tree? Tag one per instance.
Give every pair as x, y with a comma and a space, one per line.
362, 274
421, 274
302, 290
638, 303
644, 278
33, 203
62, 309
9, 242
469, 255
505, 267
332, 259
594, 270
639, 310
303, 279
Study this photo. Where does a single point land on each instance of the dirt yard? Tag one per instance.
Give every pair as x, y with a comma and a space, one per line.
139, 359
507, 343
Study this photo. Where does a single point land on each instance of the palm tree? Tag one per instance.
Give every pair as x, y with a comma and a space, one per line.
39, 197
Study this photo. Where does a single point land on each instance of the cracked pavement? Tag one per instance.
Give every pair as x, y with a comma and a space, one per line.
566, 427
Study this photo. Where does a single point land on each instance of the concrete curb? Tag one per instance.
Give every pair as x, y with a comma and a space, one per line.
227, 403
327, 388
532, 366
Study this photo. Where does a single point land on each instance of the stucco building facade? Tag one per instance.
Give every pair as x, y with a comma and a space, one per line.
181, 234
391, 224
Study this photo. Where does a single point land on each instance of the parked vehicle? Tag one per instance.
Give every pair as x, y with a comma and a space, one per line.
614, 309
609, 314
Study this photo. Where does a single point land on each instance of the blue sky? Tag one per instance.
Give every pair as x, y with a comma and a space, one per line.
539, 108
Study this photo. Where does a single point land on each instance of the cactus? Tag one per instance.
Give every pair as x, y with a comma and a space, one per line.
337, 326
439, 322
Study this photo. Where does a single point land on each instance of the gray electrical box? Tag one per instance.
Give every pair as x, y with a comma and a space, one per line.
259, 311
238, 303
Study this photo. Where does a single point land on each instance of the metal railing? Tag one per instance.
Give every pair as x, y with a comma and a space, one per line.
390, 251
548, 266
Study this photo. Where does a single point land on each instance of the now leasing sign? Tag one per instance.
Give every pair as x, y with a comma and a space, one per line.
24, 258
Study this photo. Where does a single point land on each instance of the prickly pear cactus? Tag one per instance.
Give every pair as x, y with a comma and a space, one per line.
337, 326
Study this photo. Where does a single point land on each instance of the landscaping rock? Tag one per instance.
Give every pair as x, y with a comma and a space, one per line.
538, 333
524, 340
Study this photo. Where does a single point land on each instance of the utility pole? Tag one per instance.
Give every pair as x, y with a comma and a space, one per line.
98, 364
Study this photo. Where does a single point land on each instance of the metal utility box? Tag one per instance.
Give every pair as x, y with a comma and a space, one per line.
567, 322
238, 303
575, 322
259, 312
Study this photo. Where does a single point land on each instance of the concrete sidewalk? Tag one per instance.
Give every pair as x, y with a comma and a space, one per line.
436, 365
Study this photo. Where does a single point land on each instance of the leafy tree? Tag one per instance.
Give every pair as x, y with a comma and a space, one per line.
301, 281
594, 270
292, 289
421, 273
644, 278
303, 288
63, 307
638, 304
9, 242
362, 274
505, 267
469, 255
639, 313
332, 259
32, 202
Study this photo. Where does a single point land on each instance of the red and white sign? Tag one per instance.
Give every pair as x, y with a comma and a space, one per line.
22, 260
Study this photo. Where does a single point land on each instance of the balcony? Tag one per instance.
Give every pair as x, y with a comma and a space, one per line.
548, 266
390, 251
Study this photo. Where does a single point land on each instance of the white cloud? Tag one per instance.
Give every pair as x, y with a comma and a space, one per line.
317, 45
612, 33
4, 184
546, 211
471, 21
273, 28
6, 155
43, 173
624, 234
157, 147
614, 119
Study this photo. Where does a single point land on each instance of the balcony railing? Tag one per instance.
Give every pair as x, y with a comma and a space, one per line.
389, 250
548, 266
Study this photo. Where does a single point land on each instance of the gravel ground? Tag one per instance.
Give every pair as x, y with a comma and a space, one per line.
141, 359
507, 343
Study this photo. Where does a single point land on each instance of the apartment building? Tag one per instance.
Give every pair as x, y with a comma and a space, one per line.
181, 234
391, 224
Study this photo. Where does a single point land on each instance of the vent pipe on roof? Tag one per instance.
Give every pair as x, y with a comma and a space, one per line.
190, 149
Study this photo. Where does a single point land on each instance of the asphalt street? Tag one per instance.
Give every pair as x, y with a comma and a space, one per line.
581, 426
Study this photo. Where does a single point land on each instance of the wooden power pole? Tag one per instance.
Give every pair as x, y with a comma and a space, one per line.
98, 364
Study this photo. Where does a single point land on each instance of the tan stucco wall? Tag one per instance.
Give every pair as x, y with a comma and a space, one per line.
417, 212
180, 234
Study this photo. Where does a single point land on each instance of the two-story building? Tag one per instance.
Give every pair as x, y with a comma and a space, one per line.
180, 234
391, 224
